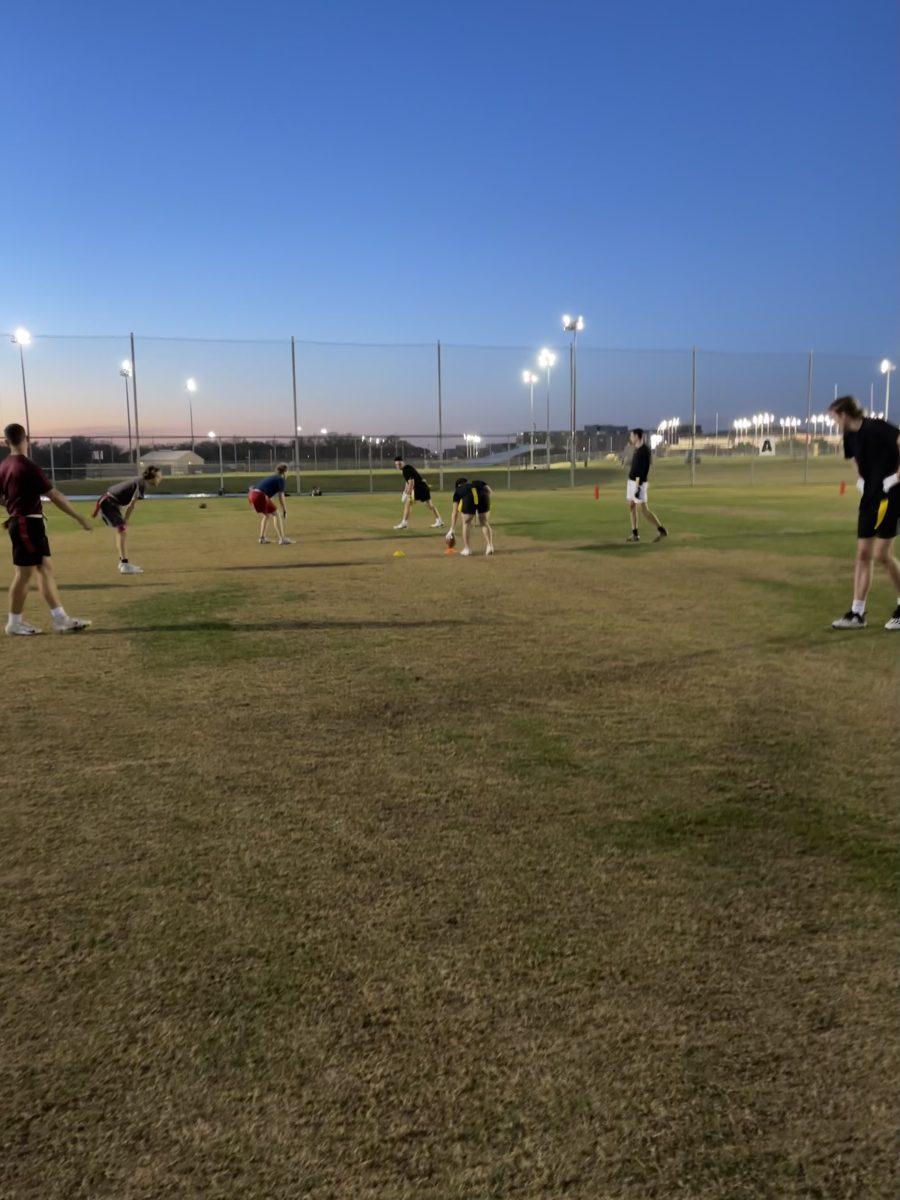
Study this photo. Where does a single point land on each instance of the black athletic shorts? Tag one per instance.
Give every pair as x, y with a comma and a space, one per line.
29, 540
111, 513
421, 492
475, 501
879, 517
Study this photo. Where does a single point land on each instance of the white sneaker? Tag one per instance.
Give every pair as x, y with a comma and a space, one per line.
21, 629
437, 524
894, 622
489, 549
850, 620
402, 525
264, 541
285, 541
129, 568
69, 624
465, 552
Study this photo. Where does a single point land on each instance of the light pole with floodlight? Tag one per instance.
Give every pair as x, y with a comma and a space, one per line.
887, 369
21, 338
191, 388
546, 360
213, 436
530, 379
573, 325
125, 372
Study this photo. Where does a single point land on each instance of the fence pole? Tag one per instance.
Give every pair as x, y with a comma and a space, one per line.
809, 383
509, 446
52, 464
440, 415
296, 414
371, 476
134, 401
572, 416
694, 414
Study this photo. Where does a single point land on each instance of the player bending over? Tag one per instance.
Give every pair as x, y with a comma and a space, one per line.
415, 488
876, 447
22, 483
116, 507
261, 497
636, 488
471, 498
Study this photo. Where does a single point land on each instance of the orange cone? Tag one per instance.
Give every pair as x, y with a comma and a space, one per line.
843, 486
596, 492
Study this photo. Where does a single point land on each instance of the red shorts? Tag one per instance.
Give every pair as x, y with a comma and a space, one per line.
261, 502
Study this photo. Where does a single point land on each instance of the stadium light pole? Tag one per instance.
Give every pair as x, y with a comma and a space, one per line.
572, 325
530, 379
22, 338
546, 360
191, 388
125, 372
296, 411
215, 438
887, 369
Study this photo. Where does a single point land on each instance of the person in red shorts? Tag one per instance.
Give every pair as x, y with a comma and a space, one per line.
22, 483
262, 500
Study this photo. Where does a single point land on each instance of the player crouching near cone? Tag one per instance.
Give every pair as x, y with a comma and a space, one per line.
636, 491
875, 445
471, 498
261, 497
415, 488
22, 483
116, 506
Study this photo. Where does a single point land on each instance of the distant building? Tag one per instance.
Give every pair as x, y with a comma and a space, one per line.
174, 462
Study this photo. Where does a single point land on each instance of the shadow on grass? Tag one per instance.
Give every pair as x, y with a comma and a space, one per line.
288, 566
270, 626
98, 587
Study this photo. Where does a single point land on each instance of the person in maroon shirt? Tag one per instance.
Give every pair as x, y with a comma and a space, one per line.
22, 483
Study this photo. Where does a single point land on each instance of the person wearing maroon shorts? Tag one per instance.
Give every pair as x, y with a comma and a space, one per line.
262, 500
22, 483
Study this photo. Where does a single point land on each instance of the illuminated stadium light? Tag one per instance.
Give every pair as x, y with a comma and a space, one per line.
191, 385
572, 324
324, 432
125, 368
887, 368
21, 336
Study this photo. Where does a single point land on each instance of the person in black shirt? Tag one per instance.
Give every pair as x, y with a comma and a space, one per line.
471, 498
116, 506
636, 491
414, 488
876, 447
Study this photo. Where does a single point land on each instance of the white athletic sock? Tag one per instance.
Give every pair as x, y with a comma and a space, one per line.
858, 606
58, 613
15, 619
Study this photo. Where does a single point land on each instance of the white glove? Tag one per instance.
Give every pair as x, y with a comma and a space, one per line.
891, 481
860, 486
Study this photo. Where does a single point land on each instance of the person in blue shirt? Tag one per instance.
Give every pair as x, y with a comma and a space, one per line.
262, 500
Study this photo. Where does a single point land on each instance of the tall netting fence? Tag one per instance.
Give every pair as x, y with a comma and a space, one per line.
215, 413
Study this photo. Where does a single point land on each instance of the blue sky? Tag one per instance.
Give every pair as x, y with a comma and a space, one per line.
723, 175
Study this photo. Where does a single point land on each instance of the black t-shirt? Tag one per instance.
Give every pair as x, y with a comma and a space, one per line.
410, 473
22, 483
465, 489
640, 464
874, 446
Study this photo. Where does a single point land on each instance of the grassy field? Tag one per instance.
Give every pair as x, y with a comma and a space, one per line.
742, 470
567, 873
